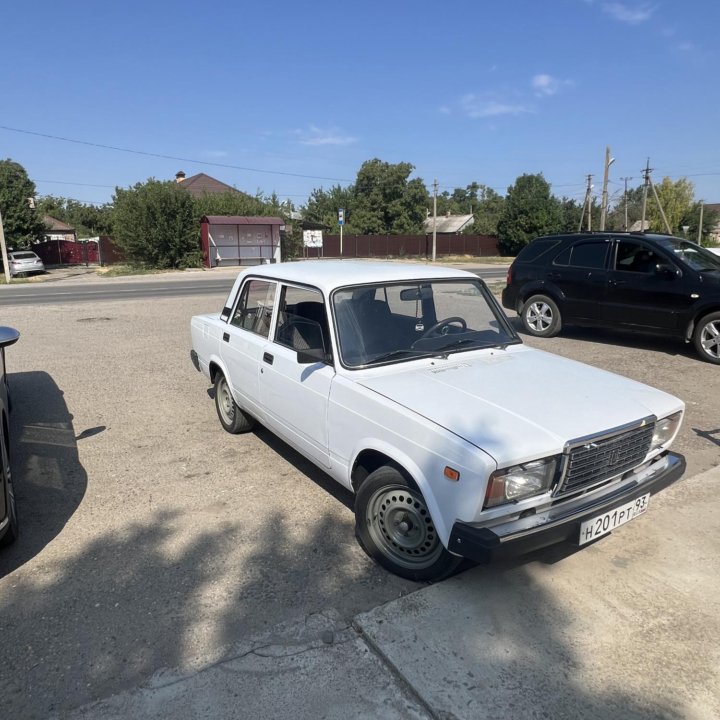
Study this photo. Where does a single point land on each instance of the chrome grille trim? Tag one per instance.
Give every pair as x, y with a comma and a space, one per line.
596, 459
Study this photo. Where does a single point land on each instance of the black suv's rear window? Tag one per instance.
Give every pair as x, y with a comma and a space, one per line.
532, 251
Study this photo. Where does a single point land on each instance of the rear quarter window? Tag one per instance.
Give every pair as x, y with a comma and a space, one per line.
533, 250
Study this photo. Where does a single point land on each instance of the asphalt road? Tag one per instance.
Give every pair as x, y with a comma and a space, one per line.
151, 539
96, 290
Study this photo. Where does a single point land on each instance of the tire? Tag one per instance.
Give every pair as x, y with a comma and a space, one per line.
12, 531
706, 338
394, 527
541, 316
231, 417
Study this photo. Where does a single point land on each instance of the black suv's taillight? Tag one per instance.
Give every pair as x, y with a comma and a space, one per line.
508, 280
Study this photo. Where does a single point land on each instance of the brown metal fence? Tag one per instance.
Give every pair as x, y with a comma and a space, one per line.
397, 246
67, 252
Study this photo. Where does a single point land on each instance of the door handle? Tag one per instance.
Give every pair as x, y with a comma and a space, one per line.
268, 358
615, 283
226, 337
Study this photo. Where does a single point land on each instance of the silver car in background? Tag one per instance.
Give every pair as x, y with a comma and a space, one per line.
24, 261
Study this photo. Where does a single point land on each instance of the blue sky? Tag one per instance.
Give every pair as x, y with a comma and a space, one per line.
465, 91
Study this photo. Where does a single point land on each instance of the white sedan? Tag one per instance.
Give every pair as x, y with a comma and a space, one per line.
408, 385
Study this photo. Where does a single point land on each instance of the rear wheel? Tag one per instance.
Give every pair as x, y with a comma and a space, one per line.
232, 418
394, 527
706, 338
541, 316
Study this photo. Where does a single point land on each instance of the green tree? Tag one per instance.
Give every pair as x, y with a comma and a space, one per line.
22, 223
227, 203
530, 210
570, 213
155, 224
323, 205
710, 219
676, 198
385, 201
616, 216
88, 220
487, 211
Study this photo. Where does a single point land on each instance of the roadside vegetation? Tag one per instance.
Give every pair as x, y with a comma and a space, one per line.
156, 223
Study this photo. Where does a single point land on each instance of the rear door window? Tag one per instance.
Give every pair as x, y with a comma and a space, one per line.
255, 307
584, 255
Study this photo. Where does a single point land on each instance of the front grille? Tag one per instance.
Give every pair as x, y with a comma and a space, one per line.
594, 462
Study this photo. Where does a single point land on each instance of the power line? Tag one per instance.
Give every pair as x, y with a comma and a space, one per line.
172, 157
65, 182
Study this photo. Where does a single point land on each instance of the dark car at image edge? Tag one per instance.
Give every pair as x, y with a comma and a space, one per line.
8, 510
641, 282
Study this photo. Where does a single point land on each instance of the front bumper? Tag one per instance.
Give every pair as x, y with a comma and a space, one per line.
561, 523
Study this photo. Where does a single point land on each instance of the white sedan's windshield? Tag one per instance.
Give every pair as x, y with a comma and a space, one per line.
390, 323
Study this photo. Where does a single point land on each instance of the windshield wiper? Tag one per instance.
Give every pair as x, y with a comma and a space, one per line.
447, 349
400, 353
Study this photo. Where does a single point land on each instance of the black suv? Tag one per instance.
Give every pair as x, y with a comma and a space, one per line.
634, 281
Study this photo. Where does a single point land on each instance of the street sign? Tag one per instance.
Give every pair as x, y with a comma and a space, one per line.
341, 216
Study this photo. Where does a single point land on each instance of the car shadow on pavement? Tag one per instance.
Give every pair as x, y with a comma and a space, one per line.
627, 339
303, 465
49, 480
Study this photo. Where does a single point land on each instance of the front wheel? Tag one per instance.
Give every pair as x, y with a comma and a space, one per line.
541, 316
706, 338
232, 418
394, 527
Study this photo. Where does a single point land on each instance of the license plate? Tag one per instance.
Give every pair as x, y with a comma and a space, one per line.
607, 522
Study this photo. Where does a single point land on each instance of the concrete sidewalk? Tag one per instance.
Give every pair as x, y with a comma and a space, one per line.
628, 627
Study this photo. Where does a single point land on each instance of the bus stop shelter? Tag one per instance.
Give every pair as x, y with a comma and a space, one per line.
240, 240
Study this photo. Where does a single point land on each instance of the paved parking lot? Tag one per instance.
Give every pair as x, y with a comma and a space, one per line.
152, 539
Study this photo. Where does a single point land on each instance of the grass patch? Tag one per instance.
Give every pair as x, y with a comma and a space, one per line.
123, 270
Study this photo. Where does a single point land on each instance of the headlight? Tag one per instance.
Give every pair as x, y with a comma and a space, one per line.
665, 430
520, 481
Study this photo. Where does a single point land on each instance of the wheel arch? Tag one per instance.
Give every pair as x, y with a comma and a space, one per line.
538, 287
215, 366
697, 317
374, 455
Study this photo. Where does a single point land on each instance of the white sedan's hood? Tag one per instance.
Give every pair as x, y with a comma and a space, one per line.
519, 404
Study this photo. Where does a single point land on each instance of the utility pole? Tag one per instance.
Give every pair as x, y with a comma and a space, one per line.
625, 179
603, 210
702, 207
646, 174
435, 189
660, 207
3, 247
587, 203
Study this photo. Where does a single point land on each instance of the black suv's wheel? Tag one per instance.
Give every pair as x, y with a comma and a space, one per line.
232, 418
706, 338
394, 528
541, 316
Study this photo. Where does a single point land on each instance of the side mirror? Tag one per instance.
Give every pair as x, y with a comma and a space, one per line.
668, 271
8, 336
313, 355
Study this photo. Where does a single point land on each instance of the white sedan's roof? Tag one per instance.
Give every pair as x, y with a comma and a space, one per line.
330, 274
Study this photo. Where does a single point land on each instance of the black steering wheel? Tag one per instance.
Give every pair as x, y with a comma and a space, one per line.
447, 321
